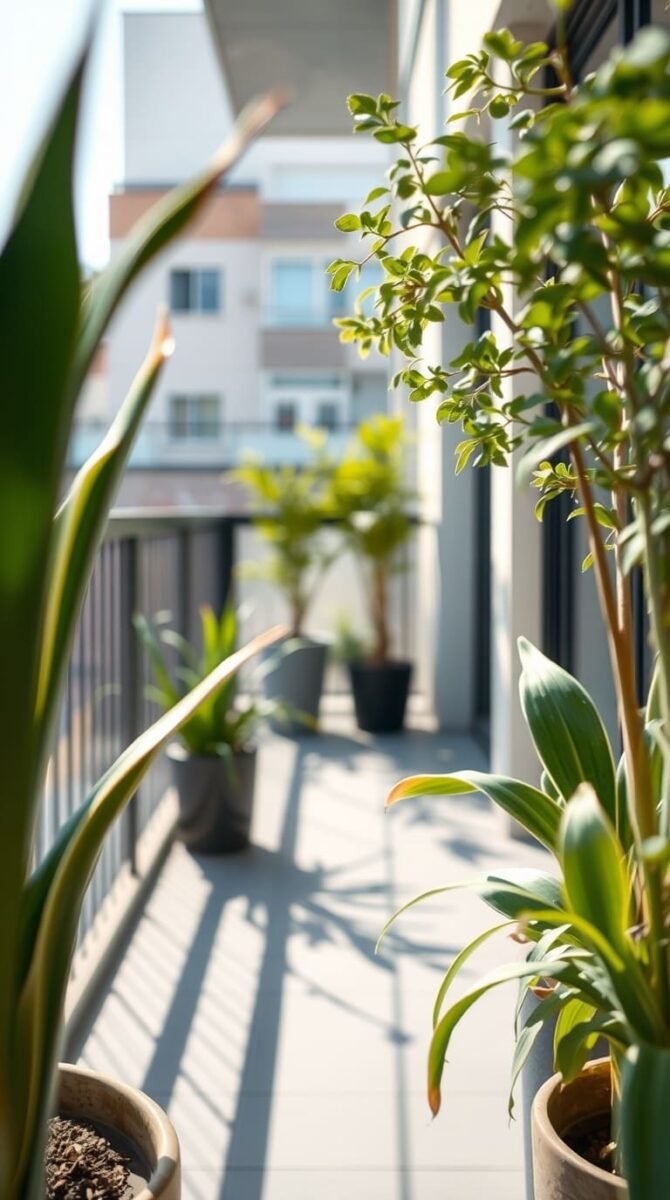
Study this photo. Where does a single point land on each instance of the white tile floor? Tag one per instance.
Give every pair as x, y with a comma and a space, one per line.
250, 1003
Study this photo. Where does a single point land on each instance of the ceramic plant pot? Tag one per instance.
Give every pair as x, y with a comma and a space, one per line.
380, 693
294, 678
559, 1172
216, 798
132, 1122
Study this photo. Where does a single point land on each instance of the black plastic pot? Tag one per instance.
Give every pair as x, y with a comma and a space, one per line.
216, 799
380, 694
295, 679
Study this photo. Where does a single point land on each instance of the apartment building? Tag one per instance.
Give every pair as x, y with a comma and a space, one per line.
250, 304
488, 570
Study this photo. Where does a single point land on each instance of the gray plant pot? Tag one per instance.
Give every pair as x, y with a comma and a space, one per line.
294, 677
216, 798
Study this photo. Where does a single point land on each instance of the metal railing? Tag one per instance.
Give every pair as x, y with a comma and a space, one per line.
149, 562
223, 445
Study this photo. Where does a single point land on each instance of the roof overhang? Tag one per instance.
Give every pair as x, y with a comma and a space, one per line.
318, 50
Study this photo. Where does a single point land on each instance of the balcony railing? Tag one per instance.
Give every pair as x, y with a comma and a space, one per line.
152, 562
161, 445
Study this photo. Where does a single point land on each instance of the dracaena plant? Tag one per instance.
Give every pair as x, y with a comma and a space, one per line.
371, 498
50, 328
565, 244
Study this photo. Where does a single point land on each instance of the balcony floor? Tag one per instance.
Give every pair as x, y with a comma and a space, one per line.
249, 1001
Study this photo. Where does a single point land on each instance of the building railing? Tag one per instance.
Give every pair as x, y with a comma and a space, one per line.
222, 445
150, 562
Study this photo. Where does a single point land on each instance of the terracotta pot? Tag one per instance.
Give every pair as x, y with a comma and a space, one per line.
139, 1121
558, 1172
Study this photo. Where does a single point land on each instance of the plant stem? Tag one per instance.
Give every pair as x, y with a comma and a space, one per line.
379, 604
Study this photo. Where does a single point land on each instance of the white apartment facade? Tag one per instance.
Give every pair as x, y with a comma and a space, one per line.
249, 301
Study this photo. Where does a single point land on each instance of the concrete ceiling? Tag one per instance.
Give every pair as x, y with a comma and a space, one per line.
320, 50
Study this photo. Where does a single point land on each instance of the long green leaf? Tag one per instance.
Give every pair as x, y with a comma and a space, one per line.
566, 728
55, 926
459, 962
539, 814
159, 227
39, 312
446, 1026
643, 1121
596, 882
79, 527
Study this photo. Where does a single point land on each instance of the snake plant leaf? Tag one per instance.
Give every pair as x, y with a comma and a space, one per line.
54, 926
643, 1121
566, 728
39, 312
444, 1029
159, 227
539, 814
79, 526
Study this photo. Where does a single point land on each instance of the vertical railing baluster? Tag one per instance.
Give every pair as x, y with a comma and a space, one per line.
130, 679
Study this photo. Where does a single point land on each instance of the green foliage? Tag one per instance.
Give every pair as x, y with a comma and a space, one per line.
50, 328
292, 503
370, 497
574, 383
224, 723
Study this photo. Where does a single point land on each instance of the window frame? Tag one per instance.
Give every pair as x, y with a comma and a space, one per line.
195, 291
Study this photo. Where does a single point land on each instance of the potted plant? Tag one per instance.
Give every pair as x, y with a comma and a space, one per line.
577, 222
50, 329
291, 504
371, 498
214, 761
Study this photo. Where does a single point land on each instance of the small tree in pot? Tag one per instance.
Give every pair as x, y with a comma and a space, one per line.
50, 329
292, 504
578, 224
370, 497
214, 762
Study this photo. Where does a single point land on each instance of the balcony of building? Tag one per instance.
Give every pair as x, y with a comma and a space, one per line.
244, 992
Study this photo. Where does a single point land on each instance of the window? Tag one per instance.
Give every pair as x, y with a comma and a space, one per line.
292, 292
327, 415
195, 291
300, 294
285, 416
195, 417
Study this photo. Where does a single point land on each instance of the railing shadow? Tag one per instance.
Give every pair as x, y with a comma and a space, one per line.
286, 901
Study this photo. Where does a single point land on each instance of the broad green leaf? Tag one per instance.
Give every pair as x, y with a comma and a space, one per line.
446, 1026
53, 927
567, 1057
540, 815
39, 312
566, 728
596, 881
643, 1121
159, 227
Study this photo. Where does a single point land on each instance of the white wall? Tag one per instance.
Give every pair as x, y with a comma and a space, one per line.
214, 352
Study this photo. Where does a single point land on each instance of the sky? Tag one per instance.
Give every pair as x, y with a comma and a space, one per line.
43, 38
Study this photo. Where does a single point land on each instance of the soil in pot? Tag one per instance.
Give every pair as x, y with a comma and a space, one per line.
592, 1140
88, 1161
